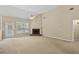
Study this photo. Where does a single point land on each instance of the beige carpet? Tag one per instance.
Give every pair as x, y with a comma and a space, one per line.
37, 44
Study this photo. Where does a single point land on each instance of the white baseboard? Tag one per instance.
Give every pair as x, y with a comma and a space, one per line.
63, 39
60, 38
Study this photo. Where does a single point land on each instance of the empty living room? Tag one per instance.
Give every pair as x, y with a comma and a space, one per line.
39, 29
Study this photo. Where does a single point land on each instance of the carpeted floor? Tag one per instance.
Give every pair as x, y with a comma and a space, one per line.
37, 45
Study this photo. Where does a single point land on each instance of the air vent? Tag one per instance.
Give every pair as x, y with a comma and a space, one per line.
71, 8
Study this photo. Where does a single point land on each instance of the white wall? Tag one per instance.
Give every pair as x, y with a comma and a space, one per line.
58, 23
36, 23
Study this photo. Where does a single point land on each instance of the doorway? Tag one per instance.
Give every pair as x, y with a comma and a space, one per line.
76, 29
9, 30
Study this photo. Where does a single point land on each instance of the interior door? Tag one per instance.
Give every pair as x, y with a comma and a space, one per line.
9, 30
76, 30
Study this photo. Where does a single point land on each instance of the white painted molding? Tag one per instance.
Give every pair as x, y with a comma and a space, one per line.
1, 29
73, 32
60, 38
1, 23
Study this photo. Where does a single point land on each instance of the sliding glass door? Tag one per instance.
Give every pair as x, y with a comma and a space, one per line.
9, 30
15, 29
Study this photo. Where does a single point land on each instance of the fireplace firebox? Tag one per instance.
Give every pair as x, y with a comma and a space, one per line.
36, 32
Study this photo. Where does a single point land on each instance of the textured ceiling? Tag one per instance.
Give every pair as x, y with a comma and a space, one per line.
36, 8
24, 11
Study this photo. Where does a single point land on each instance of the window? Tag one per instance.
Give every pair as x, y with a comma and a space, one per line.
22, 27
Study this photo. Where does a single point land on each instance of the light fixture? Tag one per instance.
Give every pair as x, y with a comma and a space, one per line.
32, 17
